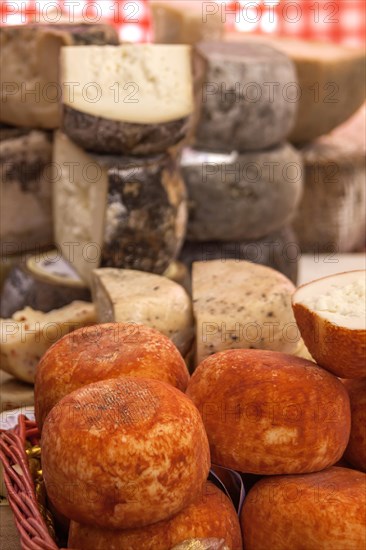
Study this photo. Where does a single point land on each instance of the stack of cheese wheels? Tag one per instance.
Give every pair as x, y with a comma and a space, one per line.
118, 193
29, 57
103, 351
244, 182
292, 420
135, 455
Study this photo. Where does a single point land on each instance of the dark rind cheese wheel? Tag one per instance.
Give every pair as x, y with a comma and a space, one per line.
241, 196
42, 282
123, 212
103, 135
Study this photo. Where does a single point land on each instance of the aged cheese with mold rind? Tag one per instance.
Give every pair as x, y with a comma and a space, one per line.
331, 82
117, 211
332, 213
29, 78
26, 189
244, 95
123, 296
238, 304
241, 196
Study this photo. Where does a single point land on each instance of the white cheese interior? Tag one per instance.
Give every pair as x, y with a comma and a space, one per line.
80, 196
340, 299
128, 296
143, 83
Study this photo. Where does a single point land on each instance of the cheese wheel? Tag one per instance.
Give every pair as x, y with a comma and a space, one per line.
244, 96
30, 62
117, 211
45, 281
332, 213
356, 450
26, 190
238, 304
241, 196
330, 81
110, 350
28, 334
124, 453
279, 250
211, 515
270, 413
321, 511
141, 97
127, 296
185, 22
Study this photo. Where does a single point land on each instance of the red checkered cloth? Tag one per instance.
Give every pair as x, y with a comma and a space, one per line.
341, 21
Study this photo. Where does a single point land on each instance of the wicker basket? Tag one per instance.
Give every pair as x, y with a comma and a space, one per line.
33, 531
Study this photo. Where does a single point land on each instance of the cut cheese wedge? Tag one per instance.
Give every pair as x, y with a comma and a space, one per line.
117, 211
238, 304
123, 296
129, 99
331, 315
28, 334
29, 78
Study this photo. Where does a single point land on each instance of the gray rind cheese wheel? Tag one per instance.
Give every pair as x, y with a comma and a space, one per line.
245, 96
241, 196
332, 213
103, 135
331, 81
128, 212
42, 282
29, 56
26, 190
280, 250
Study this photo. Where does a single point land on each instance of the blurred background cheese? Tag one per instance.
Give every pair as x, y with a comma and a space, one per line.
184, 22
119, 211
29, 56
43, 282
26, 189
331, 81
332, 213
245, 96
279, 250
241, 196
